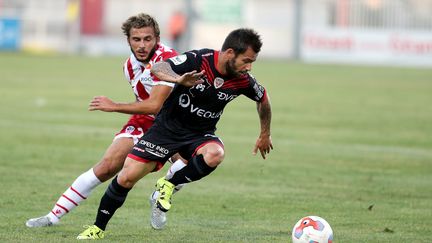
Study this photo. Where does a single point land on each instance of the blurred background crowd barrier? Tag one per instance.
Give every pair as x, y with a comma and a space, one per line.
382, 32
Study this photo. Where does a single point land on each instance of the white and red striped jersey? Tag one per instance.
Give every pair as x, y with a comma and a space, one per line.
139, 76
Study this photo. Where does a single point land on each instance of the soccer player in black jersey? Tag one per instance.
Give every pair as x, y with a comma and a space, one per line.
207, 80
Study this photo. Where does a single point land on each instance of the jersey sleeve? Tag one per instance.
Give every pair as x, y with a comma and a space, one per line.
185, 62
255, 91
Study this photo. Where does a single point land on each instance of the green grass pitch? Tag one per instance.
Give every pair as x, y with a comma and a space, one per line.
351, 144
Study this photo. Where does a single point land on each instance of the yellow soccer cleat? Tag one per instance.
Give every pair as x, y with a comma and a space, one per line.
165, 190
91, 233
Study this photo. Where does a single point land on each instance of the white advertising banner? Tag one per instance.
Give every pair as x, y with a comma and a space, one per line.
413, 48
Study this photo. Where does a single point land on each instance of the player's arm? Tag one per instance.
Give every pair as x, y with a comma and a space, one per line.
151, 105
163, 71
264, 142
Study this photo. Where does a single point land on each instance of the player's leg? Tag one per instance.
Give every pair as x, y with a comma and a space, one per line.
81, 188
204, 161
115, 195
207, 157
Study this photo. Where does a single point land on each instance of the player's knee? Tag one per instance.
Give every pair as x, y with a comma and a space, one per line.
213, 157
125, 180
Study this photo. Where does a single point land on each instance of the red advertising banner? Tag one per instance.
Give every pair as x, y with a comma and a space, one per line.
91, 17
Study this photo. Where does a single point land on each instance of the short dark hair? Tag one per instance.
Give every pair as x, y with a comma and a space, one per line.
140, 21
240, 39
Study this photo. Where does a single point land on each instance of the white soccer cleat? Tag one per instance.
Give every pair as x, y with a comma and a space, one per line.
158, 218
43, 221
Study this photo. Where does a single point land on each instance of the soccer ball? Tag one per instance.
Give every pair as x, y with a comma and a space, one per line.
312, 229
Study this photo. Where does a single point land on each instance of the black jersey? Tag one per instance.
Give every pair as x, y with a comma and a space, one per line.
198, 108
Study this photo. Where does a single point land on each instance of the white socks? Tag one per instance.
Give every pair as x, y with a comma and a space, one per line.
82, 187
176, 166
76, 193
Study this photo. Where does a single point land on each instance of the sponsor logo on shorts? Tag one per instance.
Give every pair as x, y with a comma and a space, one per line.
138, 149
155, 153
154, 149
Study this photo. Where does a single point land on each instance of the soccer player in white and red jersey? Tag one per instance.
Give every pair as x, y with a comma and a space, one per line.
143, 36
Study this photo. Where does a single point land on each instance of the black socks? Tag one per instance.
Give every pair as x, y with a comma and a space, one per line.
114, 197
193, 171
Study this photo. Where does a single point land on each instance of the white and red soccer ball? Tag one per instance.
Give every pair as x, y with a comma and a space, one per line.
312, 229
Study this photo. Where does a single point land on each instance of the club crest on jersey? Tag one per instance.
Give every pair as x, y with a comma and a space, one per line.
177, 60
218, 82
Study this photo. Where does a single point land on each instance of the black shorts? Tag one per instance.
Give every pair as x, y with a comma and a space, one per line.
159, 144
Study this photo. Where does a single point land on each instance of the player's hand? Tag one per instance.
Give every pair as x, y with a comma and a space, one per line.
191, 78
102, 103
263, 144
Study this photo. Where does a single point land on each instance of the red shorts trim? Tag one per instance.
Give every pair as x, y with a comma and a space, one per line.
139, 159
159, 165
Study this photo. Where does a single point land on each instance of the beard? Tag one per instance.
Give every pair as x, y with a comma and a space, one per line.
231, 69
151, 53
